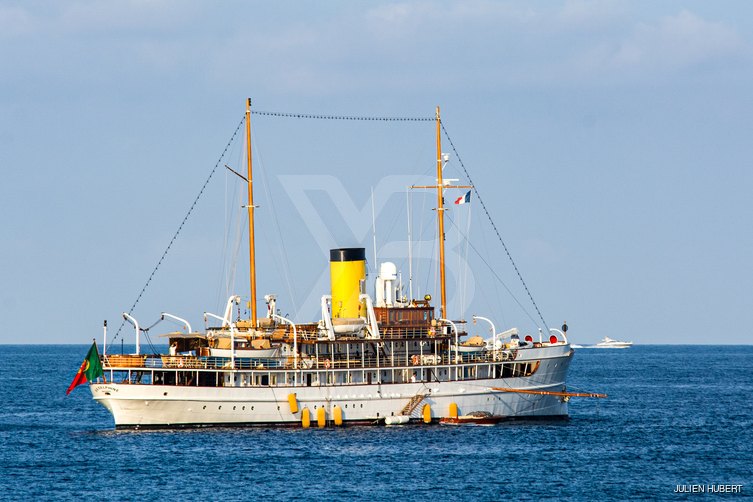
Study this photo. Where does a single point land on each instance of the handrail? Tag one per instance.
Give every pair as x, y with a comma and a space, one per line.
397, 362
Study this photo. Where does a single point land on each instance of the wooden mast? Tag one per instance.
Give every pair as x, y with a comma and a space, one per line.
440, 186
251, 246
440, 220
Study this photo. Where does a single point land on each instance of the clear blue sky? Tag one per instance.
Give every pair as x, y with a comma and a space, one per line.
610, 140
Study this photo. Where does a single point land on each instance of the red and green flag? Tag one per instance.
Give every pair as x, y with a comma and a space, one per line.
90, 369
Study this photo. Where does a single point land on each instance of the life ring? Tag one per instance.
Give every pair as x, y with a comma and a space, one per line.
432, 332
414, 359
327, 364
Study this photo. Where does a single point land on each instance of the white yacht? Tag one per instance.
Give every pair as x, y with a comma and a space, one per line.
368, 360
608, 343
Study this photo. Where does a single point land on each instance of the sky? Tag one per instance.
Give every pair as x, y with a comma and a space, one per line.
608, 140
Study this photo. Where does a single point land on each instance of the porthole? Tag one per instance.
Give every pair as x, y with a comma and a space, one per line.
361, 405
219, 407
164, 394
278, 408
204, 408
244, 408
233, 408
252, 408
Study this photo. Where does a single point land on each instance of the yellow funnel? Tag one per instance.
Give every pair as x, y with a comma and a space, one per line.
347, 272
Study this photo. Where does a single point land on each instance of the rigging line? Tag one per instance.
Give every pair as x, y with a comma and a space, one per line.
266, 184
497, 294
241, 224
342, 117
491, 269
499, 236
180, 227
230, 218
466, 270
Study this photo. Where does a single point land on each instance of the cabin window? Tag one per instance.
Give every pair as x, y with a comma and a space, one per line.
514, 370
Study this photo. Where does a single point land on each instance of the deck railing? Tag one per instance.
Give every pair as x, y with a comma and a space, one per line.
323, 362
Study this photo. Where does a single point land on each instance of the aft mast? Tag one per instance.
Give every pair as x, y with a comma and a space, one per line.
440, 220
439, 187
251, 246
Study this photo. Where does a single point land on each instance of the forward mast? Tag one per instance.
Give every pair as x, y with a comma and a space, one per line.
251, 245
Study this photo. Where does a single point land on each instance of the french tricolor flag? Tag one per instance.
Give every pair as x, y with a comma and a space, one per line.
465, 199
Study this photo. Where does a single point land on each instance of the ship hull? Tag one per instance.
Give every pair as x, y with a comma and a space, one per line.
154, 406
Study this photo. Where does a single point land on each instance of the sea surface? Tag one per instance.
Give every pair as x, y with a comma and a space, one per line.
675, 415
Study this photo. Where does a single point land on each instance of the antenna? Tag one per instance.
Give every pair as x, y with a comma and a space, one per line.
410, 249
373, 229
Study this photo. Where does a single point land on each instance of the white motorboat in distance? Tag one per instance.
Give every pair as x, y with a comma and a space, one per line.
608, 343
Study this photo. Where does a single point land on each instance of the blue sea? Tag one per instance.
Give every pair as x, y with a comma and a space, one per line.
675, 415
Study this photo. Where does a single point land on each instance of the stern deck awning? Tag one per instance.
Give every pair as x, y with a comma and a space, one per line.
184, 336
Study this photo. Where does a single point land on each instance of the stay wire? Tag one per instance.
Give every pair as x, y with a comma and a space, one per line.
496, 231
342, 117
494, 273
182, 223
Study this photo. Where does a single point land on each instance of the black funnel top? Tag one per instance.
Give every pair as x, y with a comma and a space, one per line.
347, 254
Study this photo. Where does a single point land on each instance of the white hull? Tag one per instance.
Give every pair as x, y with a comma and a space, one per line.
613, 345
136, 405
